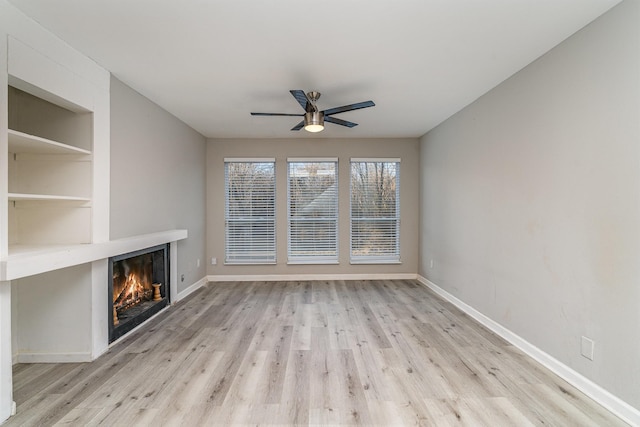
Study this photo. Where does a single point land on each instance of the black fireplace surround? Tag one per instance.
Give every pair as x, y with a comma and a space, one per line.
138, 288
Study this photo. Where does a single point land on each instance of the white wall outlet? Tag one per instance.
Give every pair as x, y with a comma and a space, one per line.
431, 263
586, 347
198, 262
214, 261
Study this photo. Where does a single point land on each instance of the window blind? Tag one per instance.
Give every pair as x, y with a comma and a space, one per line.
312, 204
250, 226
375, 211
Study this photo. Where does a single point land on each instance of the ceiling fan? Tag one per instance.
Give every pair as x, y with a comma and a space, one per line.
313, 119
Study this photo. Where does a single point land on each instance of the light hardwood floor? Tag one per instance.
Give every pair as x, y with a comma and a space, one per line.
305, 353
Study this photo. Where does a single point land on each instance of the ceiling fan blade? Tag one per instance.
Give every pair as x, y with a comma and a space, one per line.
276, 114
338, 121
301, 97
349, 107
298, 126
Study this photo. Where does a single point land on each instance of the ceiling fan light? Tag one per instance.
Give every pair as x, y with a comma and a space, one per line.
314, 121
314, 128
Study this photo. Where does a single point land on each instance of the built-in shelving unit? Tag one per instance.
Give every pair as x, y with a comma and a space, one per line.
54, 201
49, 174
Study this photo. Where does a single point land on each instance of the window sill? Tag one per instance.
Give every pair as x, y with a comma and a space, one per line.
384, 262
250, 263
312, 262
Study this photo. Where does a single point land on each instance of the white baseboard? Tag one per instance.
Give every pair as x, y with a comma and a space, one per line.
614, 404
299, 277
191, 289
77, 357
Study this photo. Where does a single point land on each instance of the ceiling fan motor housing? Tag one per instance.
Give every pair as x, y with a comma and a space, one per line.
314, 121
314, 117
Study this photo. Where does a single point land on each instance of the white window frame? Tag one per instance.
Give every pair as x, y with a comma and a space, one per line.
255, 252
292, 256
393, 255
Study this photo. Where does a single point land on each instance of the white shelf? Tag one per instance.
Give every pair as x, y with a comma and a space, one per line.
45, 197
27, 260
20, 142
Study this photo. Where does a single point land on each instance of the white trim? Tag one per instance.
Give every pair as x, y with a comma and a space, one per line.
73, 357
312, 159
274, 262
191, 289
173, 272
299, 277
375, 159
249, 159
99, 317
311, 261
610, 402
373, 261
6, 356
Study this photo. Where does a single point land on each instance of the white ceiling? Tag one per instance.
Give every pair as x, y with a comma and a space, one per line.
212, 62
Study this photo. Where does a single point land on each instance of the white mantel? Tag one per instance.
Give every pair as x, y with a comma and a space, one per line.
26, 261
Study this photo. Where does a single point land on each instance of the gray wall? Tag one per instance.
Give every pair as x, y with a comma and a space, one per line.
406, 149
157, 177
530, 202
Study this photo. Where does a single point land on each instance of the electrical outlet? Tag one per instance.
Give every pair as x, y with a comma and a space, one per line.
182, 278
214, 261
586, 347
198, 262
431, 263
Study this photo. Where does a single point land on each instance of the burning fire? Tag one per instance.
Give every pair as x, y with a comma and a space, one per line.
134, 290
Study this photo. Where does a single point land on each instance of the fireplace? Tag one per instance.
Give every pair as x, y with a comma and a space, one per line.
138, 288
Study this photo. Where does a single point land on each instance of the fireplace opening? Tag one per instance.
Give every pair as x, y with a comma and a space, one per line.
139, 288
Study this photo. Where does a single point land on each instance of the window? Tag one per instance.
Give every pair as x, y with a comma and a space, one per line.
312, 210
250, 221
375, 211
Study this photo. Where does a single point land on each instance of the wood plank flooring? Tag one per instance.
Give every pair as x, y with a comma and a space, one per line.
305, 353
